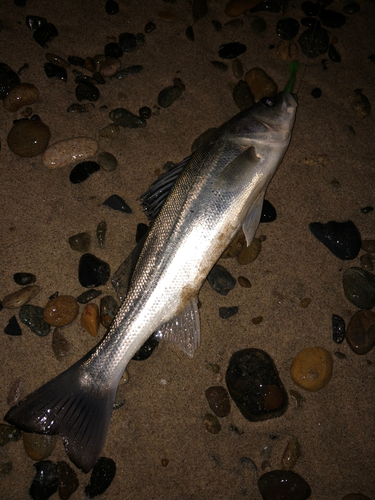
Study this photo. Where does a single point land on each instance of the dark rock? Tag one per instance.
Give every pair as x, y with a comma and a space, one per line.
218, 399
35, 22
13, 328
117, 203
111, 7
359, 287
217, 25
150, 27
351, 8
45, 34
113, 49
316, 93
310, 22
76, 61
220, 65
231, 50
310, 8
189, 33
142, 230
242, 95
168, 95
84, 79
227, 312
83, 171
23, 279
131, 70
341, 238
77, 108
367, 210
28, 138
333, 53
258, 25
67, 480
199, 9
80, 242
88, 296
212, 424
147, 349
368, 246
55, 71
266, 6
314, 42
367, 262
45, 482
97, 77
60, 345
125, 118
108, 310
254, 385
92, 271
8, 80
331, 18
127, 42
283, 485
287, 28
221, 280
268, 212
361, 332
101, 231
87, 92
32, 316
338, 329
145, 112
360, 104
8, 434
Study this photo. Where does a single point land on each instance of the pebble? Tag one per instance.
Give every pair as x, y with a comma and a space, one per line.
258, 25
189, 33
150, 27
231, 50
82, 171
13, 328
101, 477
338, 329
61, 310
235, 247
227, 312
145, 112
260, 84
45, 482
88, 296
367, 262
87, 92
316, 93
107, 161
355, 496
341, 238
92, 271
8, 433
8, 80
80, 242
361, 332
217, 25
368, 246
310, 22
249, 253
90, 64
14, 392
32, 316
21, 95
287, 50
108, 310
242, 95
359, 287
147, 349
21, 297
331, 18
23, 279
360, 104
351, 8
111, 7
221, 280
212, 424
168, 95
236, 7
101, 231
117, 203
312, 368
257, 320
125, 118
90, 319
200, 9
310, 8
291, 454
244, 282
127, 42
38, 446
28, 138
67, 480
109, 66
255, 386
77, 108
66, 151
45, 34
283, 484
268, 212
267, 6
287, 28
314, 42
34, 22
220, 65
218, 400
60, 346
131, 70
54, 71
53, 58
333, 54
76, 61
110, 131
113, 50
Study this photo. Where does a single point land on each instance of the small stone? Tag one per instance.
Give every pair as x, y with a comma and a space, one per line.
88, 296
244, 282
260, 84
125, 118
45, 34
217, 25
60, 346
257, 320
67, 482
13, 328
39, 446
23, 279
305, 302
8, 433
200, 9
80, 242
310, 22
87, 92
231, 50
314, 42
249, 253
242, 95
93, 271
21, 95
218, 399
189, 33
66, 151
338, 329
61, 310
235, 247
341, 238
316, 93
283, 484
333, 54
299, 399
227, 312
360, 104
77, 108
361, 332
101, 477
21, 297
235, 8
59, 61
90, 319
147, 349
34, 22
108, 310
82, 171
150, 27
164, 462
107, 161
131, 70
76, 61
127, 42
90, 64
219, 65
29, 138
310, 8
291, 454
258, 25
111, 131
113, 50
109, 66
168, 95
117, 203
237, 68
351, 8
54, 71
221, 280
312, 368
355, 496
8, 80
287, 50
101, 232
111, 7
359, 287
14, 392
287, 28
331, 18
212, 424
368, 246
367, 262
32, 316
45, 482
145, 112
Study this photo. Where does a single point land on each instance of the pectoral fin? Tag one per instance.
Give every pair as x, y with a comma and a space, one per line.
251, 222
241, 170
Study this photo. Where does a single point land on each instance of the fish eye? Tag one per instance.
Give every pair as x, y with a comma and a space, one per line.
269, 102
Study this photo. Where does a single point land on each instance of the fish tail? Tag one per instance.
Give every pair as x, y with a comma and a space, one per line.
73, 407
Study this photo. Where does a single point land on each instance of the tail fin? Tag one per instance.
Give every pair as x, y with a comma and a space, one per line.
79, 412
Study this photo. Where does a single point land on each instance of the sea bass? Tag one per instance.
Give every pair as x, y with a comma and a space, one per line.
218, 190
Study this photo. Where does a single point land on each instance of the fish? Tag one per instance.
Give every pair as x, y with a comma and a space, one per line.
196, 209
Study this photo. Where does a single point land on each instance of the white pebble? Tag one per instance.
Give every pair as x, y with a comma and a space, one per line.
64, 152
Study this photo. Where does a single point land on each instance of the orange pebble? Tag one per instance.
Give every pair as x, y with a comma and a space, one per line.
90, 319
312, 368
